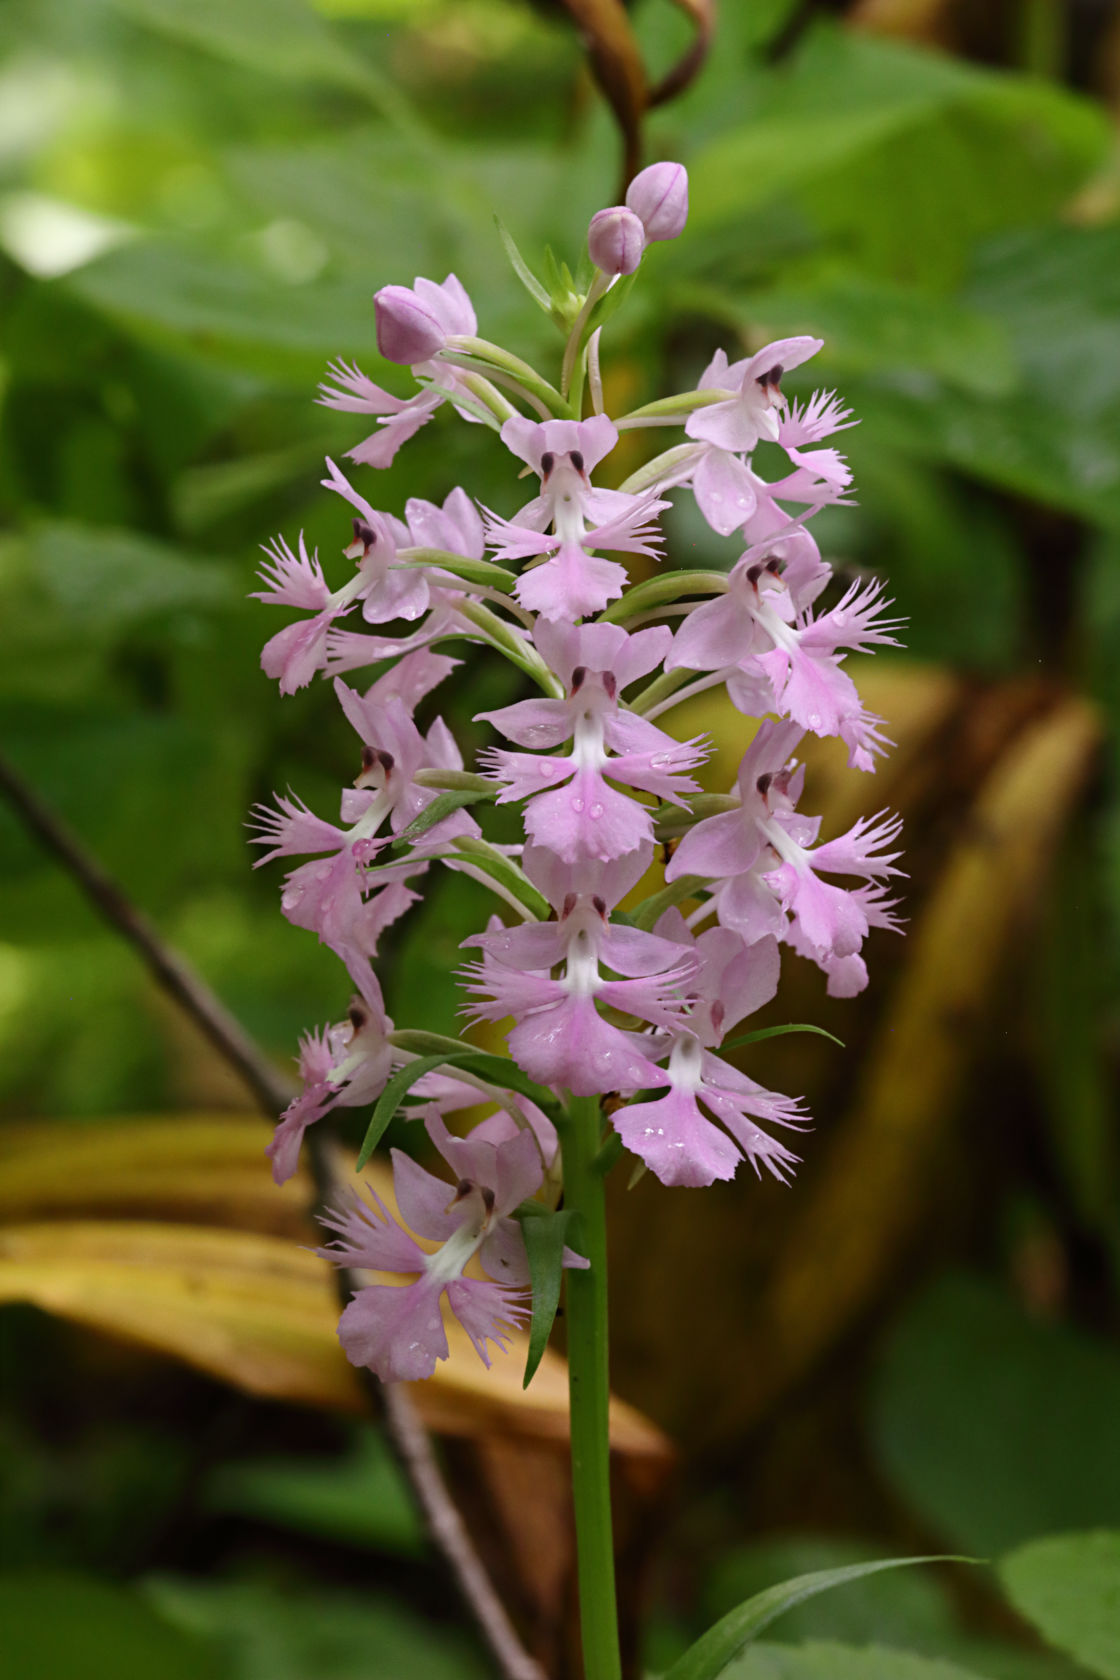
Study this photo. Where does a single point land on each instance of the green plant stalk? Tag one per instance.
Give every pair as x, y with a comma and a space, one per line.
590, 1392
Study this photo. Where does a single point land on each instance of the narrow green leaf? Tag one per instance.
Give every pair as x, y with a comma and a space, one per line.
648, 912
483, 572
522, 270
714, 1650
482, 855
659, 591
544, 1236
505, 1075
778, 1032
682, 403
442, 806
610, 1152
499, 1071
454, 781
419, 1043
393, 1095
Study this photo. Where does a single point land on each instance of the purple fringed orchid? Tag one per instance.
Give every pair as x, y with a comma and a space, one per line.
570, 518
437, 313
616, 1006
582, 815
398, 1329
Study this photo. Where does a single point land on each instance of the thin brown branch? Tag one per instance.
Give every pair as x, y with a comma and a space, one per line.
408, 1437
171, 971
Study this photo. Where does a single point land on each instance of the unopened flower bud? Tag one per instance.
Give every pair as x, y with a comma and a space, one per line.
407, 332
616, 240
659, 199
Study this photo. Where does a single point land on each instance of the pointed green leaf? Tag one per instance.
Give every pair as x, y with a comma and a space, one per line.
483, 572
544, 1235
658, 591
522, 270
648, 912
393, 1095
442, 806
714, 1650
760, 1033
481, 855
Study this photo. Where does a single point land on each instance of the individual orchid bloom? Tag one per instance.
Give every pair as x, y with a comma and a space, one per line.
673, 1136
345, 1065
753, 401
755, 627
570, 518
560, 1038
386, 591
338, 897
446, 310
581, 815
760, 853
398, 1329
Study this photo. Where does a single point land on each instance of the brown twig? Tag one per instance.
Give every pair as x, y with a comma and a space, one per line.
407, 1435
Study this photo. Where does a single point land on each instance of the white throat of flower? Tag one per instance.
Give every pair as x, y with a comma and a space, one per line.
448, 1261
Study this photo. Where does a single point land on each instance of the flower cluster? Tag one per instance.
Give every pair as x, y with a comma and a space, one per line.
628, 1006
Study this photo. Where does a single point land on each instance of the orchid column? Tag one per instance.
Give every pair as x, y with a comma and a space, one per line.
614, 1020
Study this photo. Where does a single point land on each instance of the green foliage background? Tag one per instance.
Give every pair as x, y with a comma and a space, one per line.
197, 200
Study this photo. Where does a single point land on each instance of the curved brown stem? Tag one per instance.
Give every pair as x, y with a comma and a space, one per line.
689, 65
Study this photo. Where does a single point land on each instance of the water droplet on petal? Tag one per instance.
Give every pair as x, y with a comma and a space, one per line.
813, 721
595, 812
544, 768
577, 807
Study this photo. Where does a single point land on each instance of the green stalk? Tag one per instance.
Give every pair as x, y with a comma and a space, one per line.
590, 1391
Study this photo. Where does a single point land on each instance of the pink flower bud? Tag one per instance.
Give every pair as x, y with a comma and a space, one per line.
616, 240
407, 332
659, 199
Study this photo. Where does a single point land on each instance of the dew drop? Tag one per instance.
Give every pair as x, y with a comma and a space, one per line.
595, 812
813, 720
577, 807
544, 768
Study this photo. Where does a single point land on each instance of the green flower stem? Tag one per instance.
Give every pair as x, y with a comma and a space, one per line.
483, 357
590, 1391
571, 375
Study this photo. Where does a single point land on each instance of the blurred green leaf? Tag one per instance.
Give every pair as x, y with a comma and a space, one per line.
360, 1499
55, 1625
1069, 1587
839, 1662
224, 306
977, 1460
544, 1233
285, 1632
280, 37
107, 580
714, 1652
908, 1608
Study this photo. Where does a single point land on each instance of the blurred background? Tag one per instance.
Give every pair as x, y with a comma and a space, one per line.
914, 1347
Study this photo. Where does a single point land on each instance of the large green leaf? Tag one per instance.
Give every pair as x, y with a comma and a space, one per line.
361, 1499
1055, 440
1069, 1587
840, 1662
183, 289
282, 37
277, 1631
715, 1650
996, 1428
68, 1624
